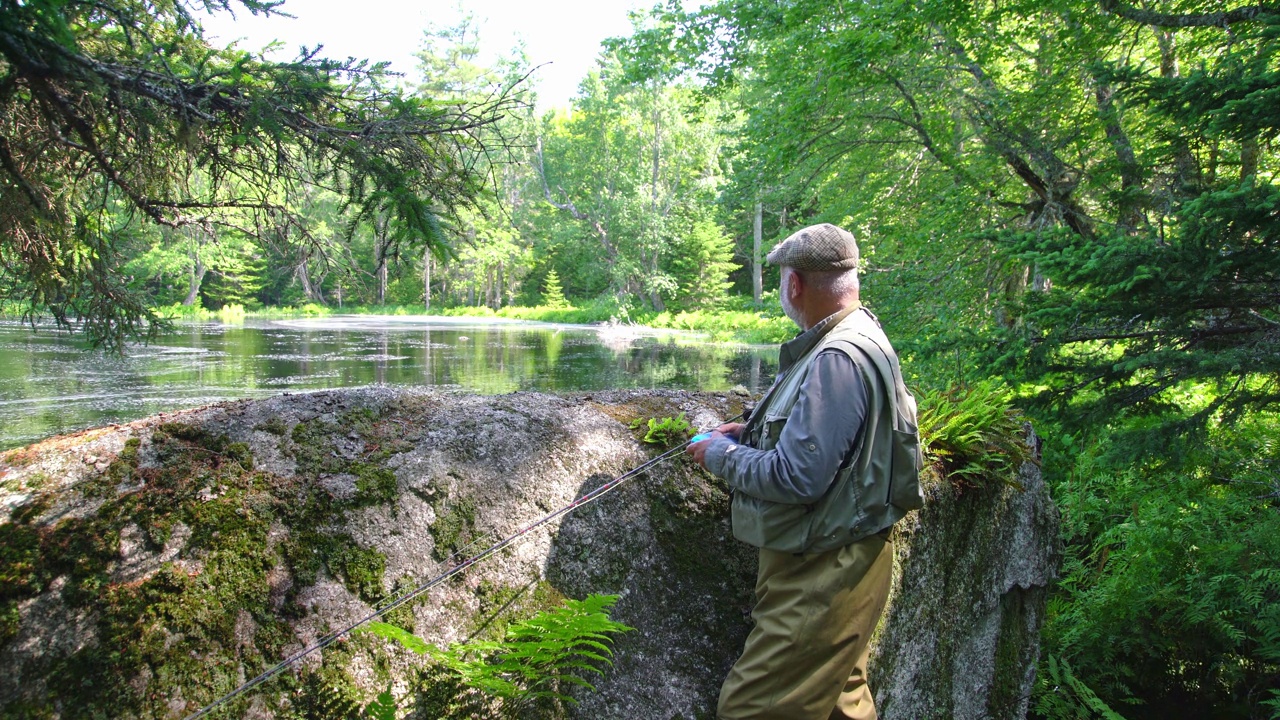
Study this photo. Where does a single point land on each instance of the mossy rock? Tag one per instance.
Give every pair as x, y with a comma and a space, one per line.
221, 546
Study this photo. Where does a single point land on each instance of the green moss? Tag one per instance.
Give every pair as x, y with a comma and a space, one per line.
199, 627
374, 485
32, 556
402, 616
683, 510
9, 618
239, 452
20, 574
34, 482
273, 425
500, 605
360, 569
1006, 694
33, 508
453, 527
119, 471
314, 441
130, 452
313, 450
184, 629
185, 431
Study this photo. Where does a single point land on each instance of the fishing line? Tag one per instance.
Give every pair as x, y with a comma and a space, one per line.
394, 602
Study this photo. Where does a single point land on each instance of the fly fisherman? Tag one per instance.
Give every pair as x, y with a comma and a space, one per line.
818, 476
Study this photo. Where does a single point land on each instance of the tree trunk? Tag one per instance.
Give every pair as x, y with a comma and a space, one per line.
380, 249
426, 279
757, 278
502, 285
1187, 167
311, 292
197, 276
1130, 215
1248, 157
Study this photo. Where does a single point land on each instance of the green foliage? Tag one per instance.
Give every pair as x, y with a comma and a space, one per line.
1169, 591
746, 326
973, 433
704, 259
1060, 695
665, 431
630, 181
552, 292
383, 707
538, 660
95, 158
453, 527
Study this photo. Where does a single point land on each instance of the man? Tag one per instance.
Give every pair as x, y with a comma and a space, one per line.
819, 476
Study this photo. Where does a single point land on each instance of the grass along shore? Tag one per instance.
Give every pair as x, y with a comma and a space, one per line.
737, 321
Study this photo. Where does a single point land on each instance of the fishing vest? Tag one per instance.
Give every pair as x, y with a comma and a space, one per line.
878, 482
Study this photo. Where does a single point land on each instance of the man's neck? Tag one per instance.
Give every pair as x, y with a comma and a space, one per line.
814, 315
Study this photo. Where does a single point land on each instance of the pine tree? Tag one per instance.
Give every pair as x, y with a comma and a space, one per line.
120, 115
703, 265
553, 293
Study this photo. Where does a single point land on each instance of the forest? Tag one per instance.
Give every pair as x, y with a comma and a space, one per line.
1068, 212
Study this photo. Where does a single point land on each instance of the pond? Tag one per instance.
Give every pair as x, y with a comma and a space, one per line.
52, 382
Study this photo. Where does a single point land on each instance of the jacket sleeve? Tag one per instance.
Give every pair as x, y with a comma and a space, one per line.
817, 437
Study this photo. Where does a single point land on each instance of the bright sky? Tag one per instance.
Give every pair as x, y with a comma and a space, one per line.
564, 33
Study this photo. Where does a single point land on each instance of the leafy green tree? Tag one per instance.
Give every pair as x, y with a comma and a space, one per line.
630, 170
124, 103
1188, 292
237, 273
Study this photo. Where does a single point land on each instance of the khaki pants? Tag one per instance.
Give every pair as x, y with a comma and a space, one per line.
806, 658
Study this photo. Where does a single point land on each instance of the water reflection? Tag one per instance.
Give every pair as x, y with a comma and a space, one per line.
52, 382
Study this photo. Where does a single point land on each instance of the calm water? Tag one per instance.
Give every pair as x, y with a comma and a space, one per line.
52, 382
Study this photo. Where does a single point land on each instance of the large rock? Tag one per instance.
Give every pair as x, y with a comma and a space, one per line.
147, 568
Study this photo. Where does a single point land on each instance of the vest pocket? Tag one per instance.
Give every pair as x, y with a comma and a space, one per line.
904, 476
770, 525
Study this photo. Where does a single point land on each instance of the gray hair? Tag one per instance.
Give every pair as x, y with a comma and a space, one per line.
837, 283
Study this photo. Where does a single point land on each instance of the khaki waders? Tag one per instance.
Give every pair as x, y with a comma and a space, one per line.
807, 654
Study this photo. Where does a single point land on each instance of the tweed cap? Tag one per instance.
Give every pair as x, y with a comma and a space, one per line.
817, 247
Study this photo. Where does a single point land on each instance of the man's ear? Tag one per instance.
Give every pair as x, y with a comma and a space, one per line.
797, 286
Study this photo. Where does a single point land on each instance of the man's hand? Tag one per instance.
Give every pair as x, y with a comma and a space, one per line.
733, 430
699, 449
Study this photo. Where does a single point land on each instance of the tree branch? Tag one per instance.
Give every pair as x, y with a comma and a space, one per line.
1165, 20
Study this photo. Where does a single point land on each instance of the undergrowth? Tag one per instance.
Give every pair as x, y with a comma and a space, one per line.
666, 431
529, 671
973, 434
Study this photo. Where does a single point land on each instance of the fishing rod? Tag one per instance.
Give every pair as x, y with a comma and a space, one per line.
394, 602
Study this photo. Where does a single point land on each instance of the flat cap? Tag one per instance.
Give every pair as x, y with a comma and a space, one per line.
817, 247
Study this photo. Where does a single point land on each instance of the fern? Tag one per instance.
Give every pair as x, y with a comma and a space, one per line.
537, 660
384, 707
1060, 695
973, 433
